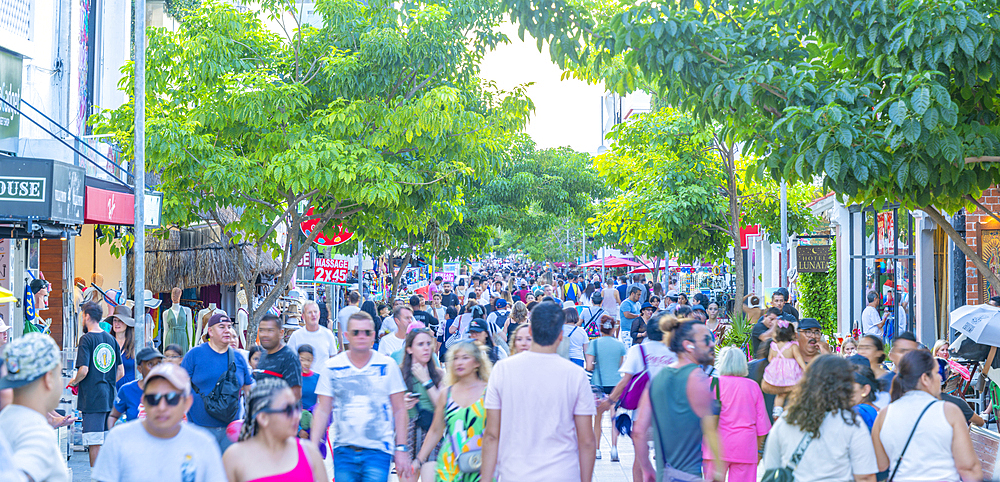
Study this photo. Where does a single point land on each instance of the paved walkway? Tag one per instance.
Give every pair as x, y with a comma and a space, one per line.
604, 470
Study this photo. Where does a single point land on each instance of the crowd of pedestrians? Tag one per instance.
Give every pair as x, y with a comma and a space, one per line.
507, 377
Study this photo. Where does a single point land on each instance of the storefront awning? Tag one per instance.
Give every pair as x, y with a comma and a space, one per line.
39, 198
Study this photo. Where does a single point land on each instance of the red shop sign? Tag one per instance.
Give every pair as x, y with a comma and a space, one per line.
331, 270
108, 207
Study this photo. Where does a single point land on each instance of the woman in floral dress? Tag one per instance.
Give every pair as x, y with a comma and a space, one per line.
459, 416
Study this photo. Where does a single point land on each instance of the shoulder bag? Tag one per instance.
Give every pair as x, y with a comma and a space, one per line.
469, 461
222, 403
633, 391
908, 439
787, 473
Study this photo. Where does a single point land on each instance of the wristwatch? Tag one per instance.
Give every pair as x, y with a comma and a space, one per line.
402, 448
428, 384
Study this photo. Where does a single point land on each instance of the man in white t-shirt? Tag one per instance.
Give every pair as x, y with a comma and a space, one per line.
322, 340
353, 299
161, 446
871, 323
33, 372
539, 411
402, 316
365, 390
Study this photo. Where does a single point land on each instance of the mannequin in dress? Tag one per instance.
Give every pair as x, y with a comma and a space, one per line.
202, 318
177, 322
242, 317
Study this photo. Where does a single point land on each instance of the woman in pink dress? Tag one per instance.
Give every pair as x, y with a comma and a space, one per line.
743, 420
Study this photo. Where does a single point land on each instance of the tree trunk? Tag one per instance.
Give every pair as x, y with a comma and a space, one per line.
735, 209
398, 276
970, 254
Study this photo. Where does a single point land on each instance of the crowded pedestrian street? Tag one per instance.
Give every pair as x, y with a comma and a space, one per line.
499, 241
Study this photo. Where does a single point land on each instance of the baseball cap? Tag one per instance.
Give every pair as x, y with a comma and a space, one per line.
28, 358
806, 323
177, 376
148, 353
477, 325
672, 294
501, 303
4, 326
124, 314
218, 318
646, 305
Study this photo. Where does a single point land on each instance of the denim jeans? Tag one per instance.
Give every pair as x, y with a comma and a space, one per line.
220, 437
353, 464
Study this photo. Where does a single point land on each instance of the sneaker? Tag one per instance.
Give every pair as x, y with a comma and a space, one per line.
598, 454
614, 454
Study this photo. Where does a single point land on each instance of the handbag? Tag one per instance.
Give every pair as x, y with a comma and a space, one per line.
469, 461
633, 391
670, 474
908, 439
787, 473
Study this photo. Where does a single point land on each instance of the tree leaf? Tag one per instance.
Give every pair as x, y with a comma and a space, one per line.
821, 141
967, 45
897, 112
930, 118
901, 175
832, 164
921, 100
844, 136
912, 129
919, 173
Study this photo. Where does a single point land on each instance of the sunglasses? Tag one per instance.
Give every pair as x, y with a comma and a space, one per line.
153, 399
366, 332
288, 410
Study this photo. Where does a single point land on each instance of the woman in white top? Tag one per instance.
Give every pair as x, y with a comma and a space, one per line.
941, 448
610, 299
821, 405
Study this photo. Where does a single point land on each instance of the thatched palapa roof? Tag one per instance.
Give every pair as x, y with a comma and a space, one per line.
169, 265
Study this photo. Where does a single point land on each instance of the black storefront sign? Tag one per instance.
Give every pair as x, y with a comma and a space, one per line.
39, 194
812, 258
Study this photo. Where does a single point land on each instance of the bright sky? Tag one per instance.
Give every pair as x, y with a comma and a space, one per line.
567, 112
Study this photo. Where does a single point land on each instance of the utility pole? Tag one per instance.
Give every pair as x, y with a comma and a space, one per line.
140, 176
783, 264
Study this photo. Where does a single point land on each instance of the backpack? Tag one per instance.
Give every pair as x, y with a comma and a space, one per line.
571, 290
563, 349
498, 338
593, 325
222, 403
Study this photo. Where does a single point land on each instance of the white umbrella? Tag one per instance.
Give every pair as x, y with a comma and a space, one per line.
981, 323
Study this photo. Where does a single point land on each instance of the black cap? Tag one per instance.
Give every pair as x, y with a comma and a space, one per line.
477, 325
146, 354
807, 323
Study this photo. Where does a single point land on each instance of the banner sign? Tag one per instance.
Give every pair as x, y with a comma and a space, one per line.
23, 189
812, 259
109, 207
11, 67
448, 277
331, 270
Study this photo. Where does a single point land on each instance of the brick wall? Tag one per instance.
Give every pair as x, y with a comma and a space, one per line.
974, 220
985, 445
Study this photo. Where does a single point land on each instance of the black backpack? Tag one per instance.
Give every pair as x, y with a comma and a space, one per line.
222, 403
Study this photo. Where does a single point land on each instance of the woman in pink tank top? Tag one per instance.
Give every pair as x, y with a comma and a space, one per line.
268, 450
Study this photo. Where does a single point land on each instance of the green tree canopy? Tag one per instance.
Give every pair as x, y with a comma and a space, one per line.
372, 118
886, 101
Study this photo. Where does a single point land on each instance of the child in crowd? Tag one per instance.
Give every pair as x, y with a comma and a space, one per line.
309, 380
785, 364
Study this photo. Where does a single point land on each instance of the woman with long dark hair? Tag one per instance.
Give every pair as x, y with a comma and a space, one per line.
267, 447
820, 416
941, 448
423, 387
123, 329
872, 348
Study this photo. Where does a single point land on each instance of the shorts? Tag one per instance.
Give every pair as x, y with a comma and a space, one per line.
608, 390
95, 427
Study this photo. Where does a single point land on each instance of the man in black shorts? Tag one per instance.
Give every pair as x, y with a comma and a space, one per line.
98, 367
